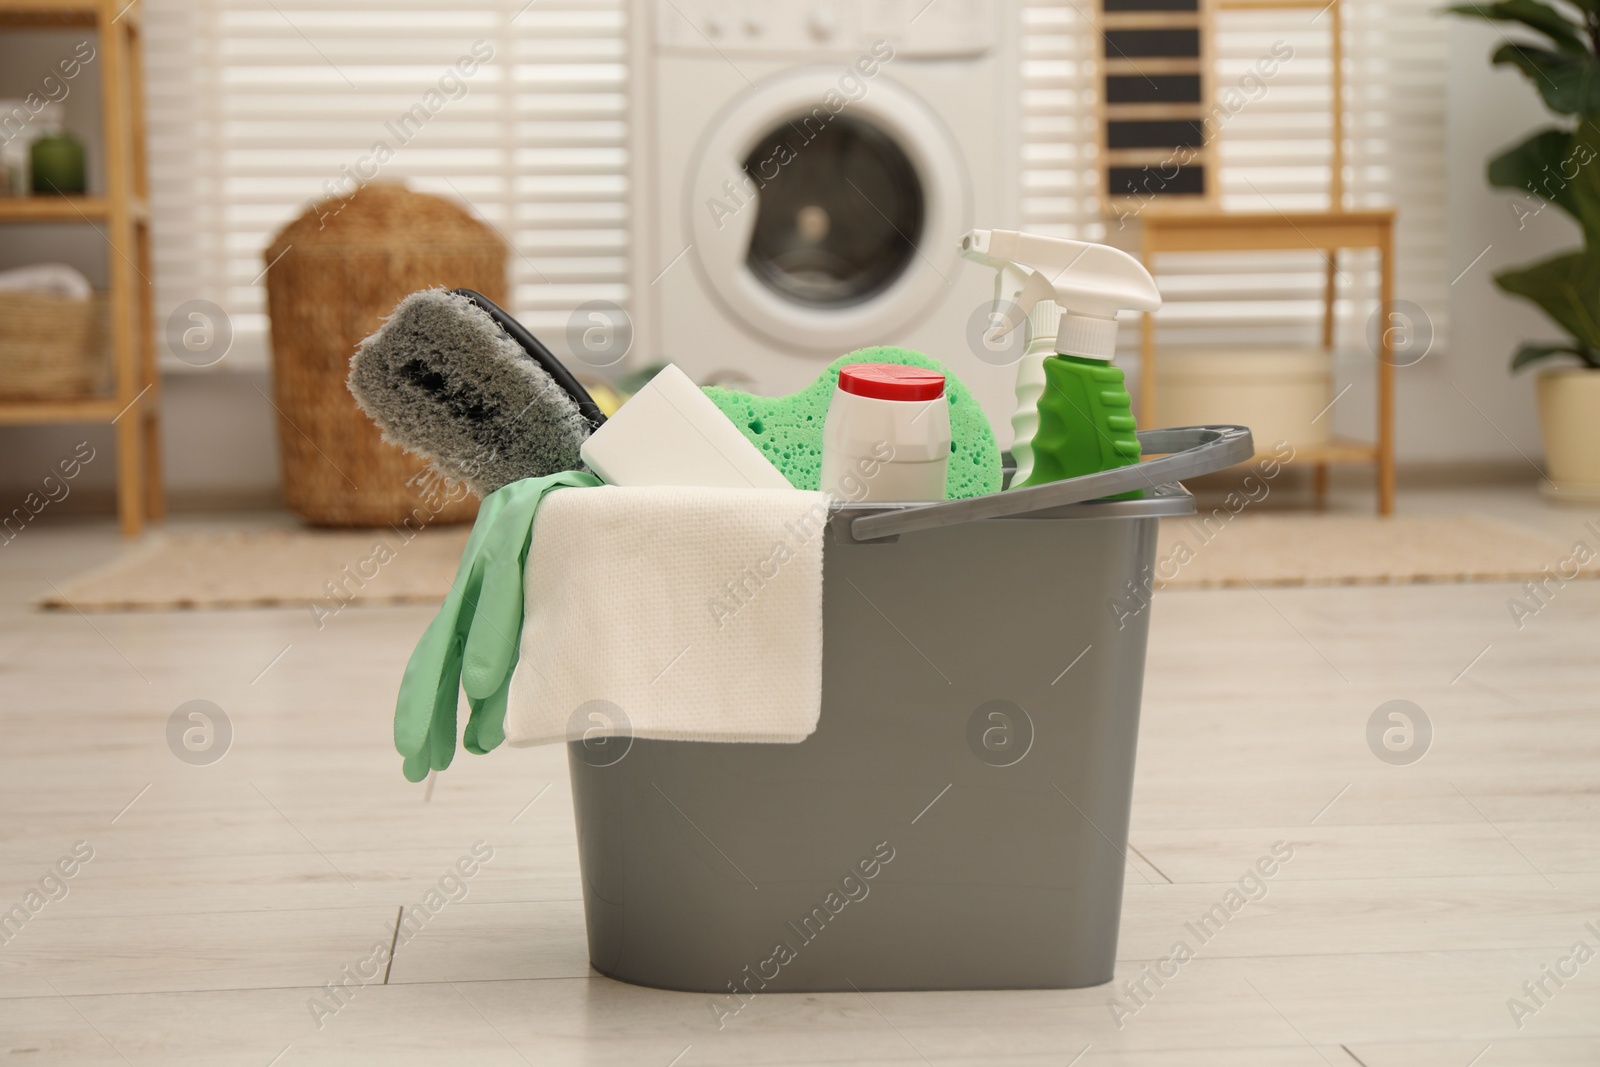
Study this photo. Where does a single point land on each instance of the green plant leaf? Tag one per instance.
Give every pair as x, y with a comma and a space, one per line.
1567, 288
1533, 352
1558, 166
1536, 15
1535, 167
1570, 84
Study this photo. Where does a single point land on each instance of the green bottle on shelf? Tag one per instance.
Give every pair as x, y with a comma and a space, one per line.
56, 162
1073, 415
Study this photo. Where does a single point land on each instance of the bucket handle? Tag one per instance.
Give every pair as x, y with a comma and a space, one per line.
1186, 452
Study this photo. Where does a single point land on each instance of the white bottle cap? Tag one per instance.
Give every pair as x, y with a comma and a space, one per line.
1087, 336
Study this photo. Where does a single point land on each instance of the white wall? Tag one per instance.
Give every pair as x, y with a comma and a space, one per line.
1490, 108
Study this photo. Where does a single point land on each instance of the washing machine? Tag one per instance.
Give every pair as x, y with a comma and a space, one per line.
802, 173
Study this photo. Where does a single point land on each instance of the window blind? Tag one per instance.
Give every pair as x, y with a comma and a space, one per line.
259, 107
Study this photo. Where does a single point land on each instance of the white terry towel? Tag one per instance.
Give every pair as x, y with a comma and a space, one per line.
672, 612
49, 279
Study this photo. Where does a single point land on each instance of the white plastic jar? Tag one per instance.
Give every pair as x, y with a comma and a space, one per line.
887, 436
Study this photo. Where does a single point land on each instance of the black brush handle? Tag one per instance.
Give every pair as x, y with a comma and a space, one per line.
539, 354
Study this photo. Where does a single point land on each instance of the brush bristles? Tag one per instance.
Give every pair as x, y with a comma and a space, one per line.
442, 380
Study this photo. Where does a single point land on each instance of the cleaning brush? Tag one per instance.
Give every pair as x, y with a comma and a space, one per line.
453, 378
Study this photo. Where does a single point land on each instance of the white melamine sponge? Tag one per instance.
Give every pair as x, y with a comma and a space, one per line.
670, 433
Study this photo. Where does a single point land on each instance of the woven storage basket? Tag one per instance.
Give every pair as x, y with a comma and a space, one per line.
341, 272
52, 347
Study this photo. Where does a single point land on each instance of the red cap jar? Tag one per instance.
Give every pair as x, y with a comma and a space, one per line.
887, 435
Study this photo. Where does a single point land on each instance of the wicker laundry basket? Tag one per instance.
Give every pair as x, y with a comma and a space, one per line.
52, 347
336, 272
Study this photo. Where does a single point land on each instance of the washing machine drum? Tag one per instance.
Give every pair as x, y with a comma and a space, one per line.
827, 231
838, 222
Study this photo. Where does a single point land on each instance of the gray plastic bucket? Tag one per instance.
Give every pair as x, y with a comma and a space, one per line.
959, 818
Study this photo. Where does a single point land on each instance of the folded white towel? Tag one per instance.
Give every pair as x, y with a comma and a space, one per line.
672, 612
54, 279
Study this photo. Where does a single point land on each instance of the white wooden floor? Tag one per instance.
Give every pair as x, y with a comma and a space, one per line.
220, 898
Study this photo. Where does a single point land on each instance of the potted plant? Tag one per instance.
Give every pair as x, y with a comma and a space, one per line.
1560, 165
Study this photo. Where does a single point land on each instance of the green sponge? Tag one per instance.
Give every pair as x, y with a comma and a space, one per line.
788, 429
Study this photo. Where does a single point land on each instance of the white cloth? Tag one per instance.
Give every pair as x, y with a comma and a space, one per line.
53, 279
677, 613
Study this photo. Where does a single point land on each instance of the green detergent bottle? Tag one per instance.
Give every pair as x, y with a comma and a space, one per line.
1073, 415
1085, 421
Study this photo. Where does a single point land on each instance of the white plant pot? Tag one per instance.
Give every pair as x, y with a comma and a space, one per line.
1569, 421
1278, 392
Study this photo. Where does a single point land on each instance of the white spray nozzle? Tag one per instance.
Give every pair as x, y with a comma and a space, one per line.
1090, 282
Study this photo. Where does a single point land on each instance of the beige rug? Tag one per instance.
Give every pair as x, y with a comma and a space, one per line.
325, 571
278, 568
1199, 553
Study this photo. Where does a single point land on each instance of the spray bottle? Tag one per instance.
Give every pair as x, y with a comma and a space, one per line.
1074, 415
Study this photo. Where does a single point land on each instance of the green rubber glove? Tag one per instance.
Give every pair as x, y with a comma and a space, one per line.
426, 670
496, 626
474, 638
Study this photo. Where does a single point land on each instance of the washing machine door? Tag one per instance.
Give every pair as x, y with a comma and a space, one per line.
825, 229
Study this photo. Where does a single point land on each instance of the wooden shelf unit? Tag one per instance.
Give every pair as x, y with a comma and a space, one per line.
78, 409
1326, 232
121, 214
1152, 105
1172, 224
64, 209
